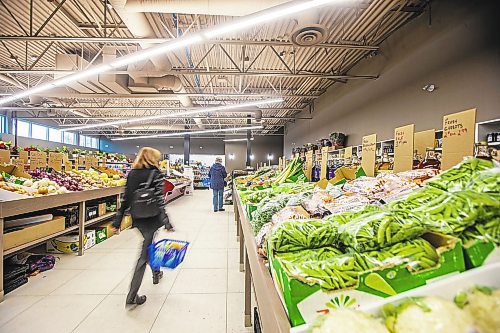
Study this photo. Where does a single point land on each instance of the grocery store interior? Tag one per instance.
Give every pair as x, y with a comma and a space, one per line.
359, 140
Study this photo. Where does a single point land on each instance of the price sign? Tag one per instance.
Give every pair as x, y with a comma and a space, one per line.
67, 163
81, 161
5, 156
348, 152
38, 159
458, 137
56, 161
324, 161
403, 148
309, 164
424, 139
95, 162
23, 155
18, 163
369, 146
88, 162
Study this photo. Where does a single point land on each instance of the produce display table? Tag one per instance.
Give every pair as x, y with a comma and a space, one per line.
178, 191
22, 206
272, 315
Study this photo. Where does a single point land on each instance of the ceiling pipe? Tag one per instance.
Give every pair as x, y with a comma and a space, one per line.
206, 7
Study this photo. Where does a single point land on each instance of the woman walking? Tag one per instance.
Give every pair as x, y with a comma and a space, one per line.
144, 181
217, 174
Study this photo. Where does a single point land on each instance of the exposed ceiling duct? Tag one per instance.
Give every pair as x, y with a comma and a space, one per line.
139, 26
308, 31
206, 7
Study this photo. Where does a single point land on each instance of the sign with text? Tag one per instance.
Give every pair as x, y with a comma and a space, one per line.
94, 162
56, 161
88, 162
23, 155
81, 161
38, 159
424, 139
403, 148
67, 163
18, 163
368, 151
348, 152
309, 164
458, 137
4, 156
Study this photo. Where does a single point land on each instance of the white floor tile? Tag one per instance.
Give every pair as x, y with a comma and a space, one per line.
72, 261
209, 244
46, 282
235, 314
196, 281
115, 260
111, 316
235, 281
209, 258
59, 314
147, 286
192, 313
233, 259
215, 236
92, 282
12, 306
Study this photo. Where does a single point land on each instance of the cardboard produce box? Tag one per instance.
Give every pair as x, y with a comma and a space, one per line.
33, 232
126, 222
101, 209
303, 301
70, 243
109, 229
101, 234
478, 253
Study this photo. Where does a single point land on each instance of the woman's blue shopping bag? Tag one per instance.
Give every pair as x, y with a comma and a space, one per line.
167, 253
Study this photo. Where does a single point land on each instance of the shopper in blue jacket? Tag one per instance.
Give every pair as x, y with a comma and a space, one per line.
217, 174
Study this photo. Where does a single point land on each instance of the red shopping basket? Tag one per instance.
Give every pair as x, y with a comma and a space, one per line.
167, 186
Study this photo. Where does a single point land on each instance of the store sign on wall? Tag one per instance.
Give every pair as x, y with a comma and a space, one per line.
369, 147
56, 161
458, 137
403, 148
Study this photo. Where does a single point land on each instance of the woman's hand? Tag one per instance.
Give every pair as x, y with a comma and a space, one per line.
116, 231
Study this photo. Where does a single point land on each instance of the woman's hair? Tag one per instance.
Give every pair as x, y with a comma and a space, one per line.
147, 158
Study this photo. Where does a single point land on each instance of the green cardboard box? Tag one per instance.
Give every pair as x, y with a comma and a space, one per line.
477, 253
101, 234
250, 209
303, 302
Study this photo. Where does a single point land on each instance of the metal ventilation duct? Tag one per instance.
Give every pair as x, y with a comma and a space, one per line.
308, 31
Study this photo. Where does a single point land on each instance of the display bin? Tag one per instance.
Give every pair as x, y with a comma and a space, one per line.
70, 214
101, 209
250, 209
70, 243
478, 253
33, 232
91, 212
303, 302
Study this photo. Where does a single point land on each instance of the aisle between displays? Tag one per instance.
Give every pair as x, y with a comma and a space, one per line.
88, 292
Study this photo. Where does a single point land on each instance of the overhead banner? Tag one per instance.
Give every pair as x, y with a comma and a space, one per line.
403, 148
458, 137
368, 152
423, 140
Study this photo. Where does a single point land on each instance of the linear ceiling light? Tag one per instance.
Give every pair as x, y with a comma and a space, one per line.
237, 140
194, 111
236, 25
190, 132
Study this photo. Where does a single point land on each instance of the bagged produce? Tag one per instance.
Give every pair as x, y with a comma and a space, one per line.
377, 230
418, 176
346, 217
418, 198
299, 199
366, 186
351, 321
322, 253
485, 231
458, 177
346, 203
427, 315
487, 181
290, 213
303, 234
266, 210
260, 239
483, 304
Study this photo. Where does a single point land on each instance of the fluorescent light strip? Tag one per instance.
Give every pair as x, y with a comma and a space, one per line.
174, 115
190, 132
174, 44
237, 140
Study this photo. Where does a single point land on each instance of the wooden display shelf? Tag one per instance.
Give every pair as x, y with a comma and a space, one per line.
272, 314
100, 218
36, 242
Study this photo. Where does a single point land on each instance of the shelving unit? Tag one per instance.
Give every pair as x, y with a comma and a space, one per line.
486, 127
17, 207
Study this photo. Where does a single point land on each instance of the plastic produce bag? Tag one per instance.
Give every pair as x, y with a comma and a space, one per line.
378, 230
298, 199
265, 212
347, 203
458, 177
486, 231
167, 253
302, 235
366, 186
290, 213
346, 217
487, 181
322, 253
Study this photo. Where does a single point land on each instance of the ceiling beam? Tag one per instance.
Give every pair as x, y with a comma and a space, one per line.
187, 71
122, 108
180, 117
165, 96
119, 40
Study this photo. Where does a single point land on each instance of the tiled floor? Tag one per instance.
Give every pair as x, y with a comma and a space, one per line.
87, 294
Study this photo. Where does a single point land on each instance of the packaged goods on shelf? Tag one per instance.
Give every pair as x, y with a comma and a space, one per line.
31, 233
101, 234
70, 243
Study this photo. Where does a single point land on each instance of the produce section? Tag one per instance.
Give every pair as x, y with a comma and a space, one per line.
341, 239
